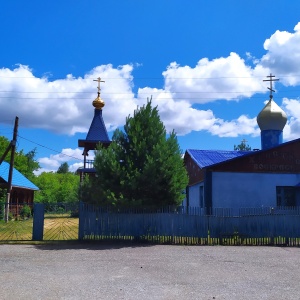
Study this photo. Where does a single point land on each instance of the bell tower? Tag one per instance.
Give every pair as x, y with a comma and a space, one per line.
97, 134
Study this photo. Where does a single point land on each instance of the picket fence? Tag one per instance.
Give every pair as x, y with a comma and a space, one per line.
265, 226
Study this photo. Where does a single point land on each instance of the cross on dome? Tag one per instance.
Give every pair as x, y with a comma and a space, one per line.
98, 103
271, 84
99, 80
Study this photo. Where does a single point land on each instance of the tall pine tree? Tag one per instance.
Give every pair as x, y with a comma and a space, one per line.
142, 166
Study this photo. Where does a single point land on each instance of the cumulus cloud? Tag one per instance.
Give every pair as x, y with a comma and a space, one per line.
292, 109
283, 55
227, 78
181, 116
53, 162
65, 105
241, 126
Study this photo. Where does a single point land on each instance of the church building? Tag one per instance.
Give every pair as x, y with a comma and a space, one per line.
269, 177
97, 135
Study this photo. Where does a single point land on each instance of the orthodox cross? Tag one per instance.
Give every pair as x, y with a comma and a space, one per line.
99, 80
271, 86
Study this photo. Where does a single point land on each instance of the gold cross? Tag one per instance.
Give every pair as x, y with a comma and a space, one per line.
271, 81
99, 80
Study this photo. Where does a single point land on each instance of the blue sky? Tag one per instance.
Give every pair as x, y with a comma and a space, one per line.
203, 63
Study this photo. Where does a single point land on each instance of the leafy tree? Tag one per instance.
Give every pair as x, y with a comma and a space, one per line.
142, 166
63, 169
55, 187
242, 146
4, 142
24, 162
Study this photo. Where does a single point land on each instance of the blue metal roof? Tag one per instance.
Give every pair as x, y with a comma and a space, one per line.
205, 158
97, 131
18, 180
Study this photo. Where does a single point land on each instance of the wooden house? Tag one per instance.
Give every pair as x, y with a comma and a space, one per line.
22, 192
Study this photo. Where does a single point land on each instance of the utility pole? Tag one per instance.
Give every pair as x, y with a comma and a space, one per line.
11, 166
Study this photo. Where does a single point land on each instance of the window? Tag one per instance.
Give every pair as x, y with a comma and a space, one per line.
286, 196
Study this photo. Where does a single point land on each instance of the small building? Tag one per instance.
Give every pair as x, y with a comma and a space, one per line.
22, 192
97, 135
269, 177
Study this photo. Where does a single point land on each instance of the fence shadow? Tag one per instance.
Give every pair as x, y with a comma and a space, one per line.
92, 245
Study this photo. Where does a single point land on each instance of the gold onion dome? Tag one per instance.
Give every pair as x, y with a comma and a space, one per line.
98, 103
271, 117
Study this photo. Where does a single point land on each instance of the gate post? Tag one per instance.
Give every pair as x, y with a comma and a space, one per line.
38, 222
81, 221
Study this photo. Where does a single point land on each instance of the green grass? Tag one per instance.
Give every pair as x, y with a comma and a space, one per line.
60, 228
16, 230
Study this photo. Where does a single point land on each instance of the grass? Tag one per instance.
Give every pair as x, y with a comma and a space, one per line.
16, 230
59, 228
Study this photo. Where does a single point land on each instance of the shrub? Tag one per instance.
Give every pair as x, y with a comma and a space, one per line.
25, 212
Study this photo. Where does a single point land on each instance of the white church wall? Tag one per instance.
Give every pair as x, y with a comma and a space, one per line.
233, 190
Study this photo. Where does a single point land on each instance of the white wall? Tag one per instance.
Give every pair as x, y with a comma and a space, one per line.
248, 189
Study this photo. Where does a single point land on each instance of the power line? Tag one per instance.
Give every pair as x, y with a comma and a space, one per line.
160, 98
147, 78
56, 151
113, 93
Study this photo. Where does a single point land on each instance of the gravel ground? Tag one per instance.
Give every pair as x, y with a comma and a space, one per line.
132, 271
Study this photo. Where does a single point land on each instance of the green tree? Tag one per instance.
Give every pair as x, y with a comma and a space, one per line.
55, 187
63, 168
24, 162
242, 146
142, 166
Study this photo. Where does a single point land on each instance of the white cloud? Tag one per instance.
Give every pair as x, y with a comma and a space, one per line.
52, 163
74, 167
49, 162
43, 170
226, 78
184, 118
283, 55
292, 109
65, 105
241, 126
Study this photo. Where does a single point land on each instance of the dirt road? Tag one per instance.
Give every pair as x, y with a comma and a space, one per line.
131, 271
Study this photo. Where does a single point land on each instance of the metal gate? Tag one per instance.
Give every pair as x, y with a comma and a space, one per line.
19, 225
61, 221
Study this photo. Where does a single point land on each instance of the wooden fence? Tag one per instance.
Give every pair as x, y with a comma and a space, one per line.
267, 226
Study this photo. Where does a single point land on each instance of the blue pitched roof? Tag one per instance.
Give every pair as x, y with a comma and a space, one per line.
97, 131
205, 158
18, 180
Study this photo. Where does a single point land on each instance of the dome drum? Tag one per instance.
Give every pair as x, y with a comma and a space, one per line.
270, 138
